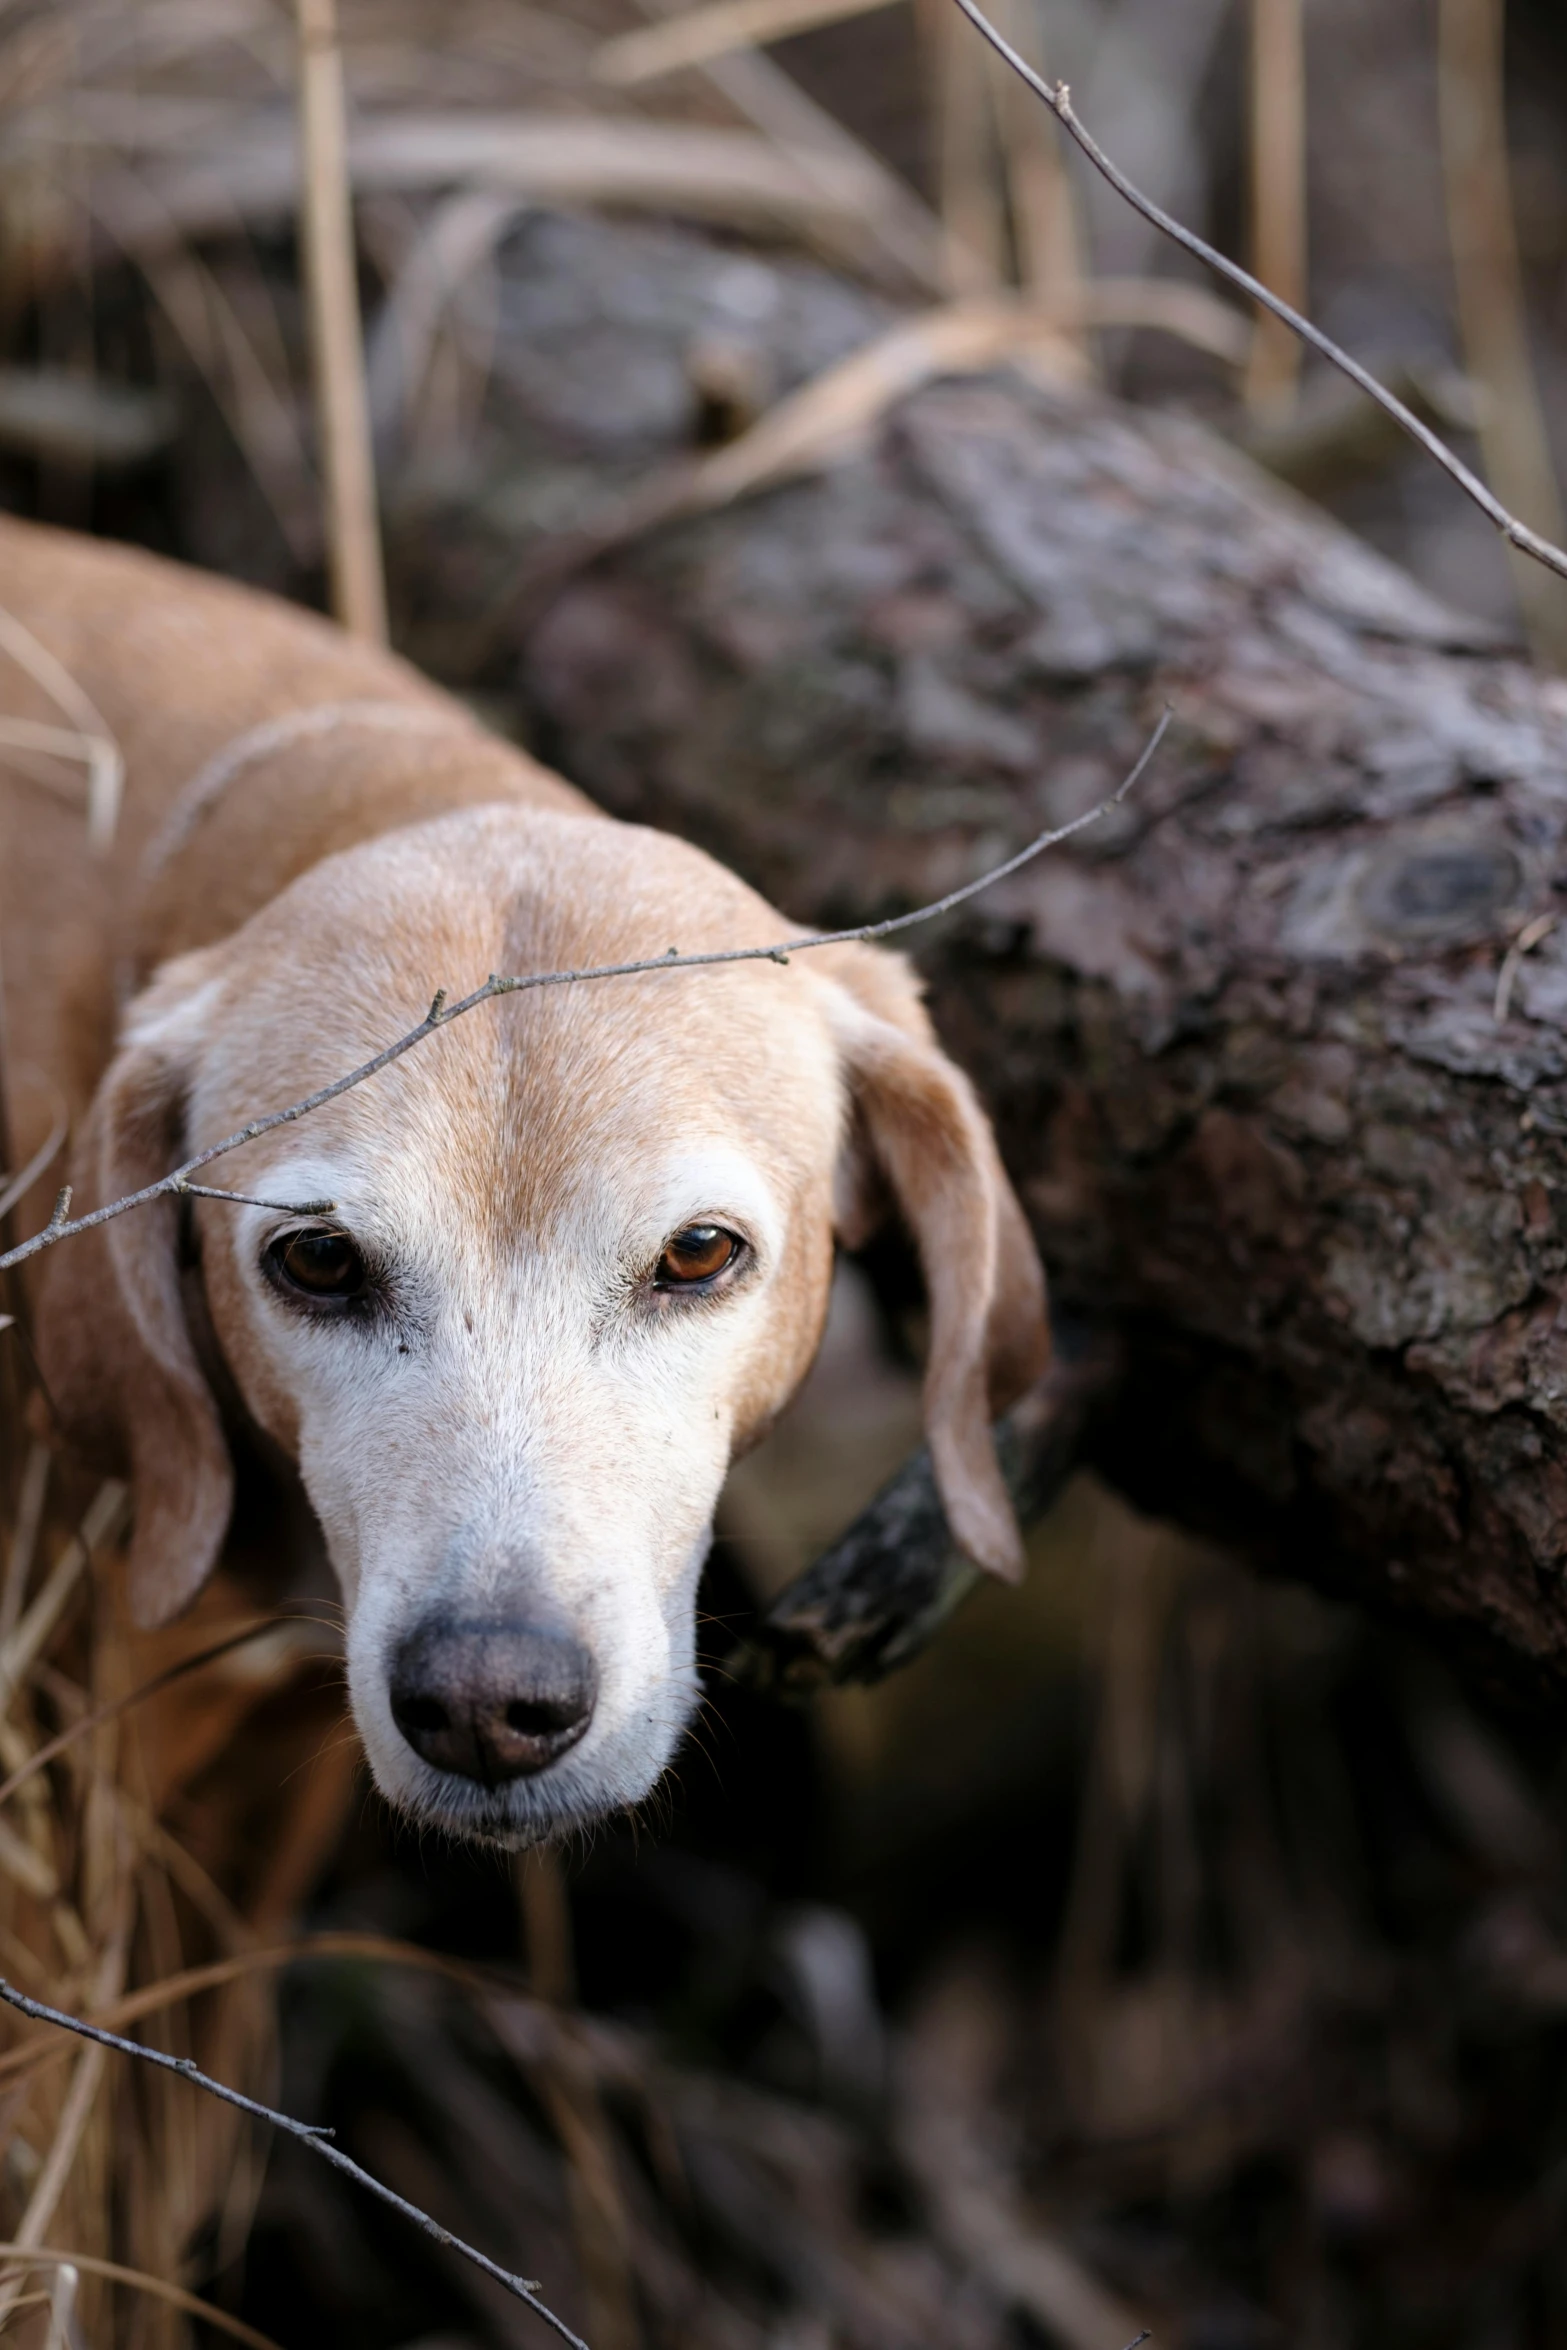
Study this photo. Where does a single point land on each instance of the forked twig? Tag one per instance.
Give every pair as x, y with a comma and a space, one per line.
1058, 98
441, 1014
318, 2140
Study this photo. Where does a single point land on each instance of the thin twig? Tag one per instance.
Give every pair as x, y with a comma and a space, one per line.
1059, 100
441, 1014
303, 1207
318, 2140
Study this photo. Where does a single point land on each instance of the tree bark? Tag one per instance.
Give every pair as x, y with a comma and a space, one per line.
1276, 1052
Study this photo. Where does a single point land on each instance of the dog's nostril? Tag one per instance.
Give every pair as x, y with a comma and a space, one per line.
420, 1713
540, 1719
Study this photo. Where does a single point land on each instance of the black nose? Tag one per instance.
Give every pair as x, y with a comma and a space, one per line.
491, 1701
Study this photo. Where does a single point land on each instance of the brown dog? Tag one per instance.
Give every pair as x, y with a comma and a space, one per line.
579, 1245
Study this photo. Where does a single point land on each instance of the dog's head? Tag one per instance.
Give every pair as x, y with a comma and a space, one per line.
578, 1254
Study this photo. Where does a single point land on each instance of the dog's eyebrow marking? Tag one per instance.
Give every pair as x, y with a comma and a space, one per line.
211, 780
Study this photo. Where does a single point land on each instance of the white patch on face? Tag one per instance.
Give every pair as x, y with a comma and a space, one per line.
517, 1431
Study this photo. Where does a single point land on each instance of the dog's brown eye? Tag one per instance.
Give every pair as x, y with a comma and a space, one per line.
699, 1253
323, 1265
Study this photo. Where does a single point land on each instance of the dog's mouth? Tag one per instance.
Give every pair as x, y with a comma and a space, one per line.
548, 1807
510, 1818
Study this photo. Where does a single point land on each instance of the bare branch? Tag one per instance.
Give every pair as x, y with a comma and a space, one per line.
441, 1014
318, 2140
1058, 98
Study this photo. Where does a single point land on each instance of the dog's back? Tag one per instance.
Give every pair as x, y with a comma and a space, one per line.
256, 739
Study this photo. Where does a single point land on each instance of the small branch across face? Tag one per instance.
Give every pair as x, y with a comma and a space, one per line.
178, 1184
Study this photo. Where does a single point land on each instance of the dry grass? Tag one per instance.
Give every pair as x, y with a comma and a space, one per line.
166, 136
129, 1851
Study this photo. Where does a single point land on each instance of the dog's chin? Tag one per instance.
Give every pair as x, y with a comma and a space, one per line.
574, 1794
497, 1817
488, 1819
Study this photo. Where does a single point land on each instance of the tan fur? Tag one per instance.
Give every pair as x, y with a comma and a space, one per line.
541, 1417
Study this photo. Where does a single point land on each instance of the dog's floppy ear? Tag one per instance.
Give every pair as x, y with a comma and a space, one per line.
919, 1134
113, 1342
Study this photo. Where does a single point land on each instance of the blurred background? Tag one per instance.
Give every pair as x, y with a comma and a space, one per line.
1164, 1948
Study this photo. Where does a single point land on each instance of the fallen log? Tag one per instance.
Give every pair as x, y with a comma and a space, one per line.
1276, 1053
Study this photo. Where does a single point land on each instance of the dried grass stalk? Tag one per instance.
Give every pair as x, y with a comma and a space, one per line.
963, 120
353, 531
97, 1895
905, 238
687, 169
698, 34
1278, 193
821, 422
87, 735
115, 2272
1491, 307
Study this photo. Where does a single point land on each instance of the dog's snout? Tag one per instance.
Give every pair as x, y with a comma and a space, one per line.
491, 1702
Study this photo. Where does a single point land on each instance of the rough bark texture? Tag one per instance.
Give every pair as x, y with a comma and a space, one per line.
1242, 1041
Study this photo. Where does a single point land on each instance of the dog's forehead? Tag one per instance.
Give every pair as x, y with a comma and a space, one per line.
536, 1092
